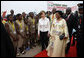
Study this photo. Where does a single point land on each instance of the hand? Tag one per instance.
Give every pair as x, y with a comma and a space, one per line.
65, 37
48, 35
17, 38
52, 37
24, 37
14, 39
38, 35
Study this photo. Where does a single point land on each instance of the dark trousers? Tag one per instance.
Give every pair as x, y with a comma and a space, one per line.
44, 39
68, 45
32, 40
80, 46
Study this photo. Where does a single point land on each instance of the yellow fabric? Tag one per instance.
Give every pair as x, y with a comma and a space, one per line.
33, 20
12, 24
58, 49
20, 23
26, 27
22, 18
3, 21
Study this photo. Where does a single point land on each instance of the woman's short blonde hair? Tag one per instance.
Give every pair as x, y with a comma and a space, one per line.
42, 12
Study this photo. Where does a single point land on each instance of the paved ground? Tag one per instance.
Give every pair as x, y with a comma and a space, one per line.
32, 52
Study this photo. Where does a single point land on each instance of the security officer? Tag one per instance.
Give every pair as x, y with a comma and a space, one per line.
80, 39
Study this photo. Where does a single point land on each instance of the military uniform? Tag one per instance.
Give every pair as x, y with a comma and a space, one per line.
23, 18
36, 21
32, 31
80, 39
27, 34
12, 30
20, 28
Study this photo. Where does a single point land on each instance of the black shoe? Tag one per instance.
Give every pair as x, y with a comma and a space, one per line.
66, 52
34, 45
23, 52
72, 44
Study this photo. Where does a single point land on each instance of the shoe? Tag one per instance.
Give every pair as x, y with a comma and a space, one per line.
66, 52
23, 52
18, 54
72, 44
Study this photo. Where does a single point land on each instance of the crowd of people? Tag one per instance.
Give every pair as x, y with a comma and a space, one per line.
53, 30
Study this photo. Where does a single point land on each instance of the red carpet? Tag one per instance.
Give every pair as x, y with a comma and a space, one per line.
72, 52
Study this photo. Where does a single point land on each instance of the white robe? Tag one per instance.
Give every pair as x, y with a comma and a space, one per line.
58, 49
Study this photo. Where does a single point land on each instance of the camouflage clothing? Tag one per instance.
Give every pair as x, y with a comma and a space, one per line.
12, 31
27, 34
32, 30
20, 28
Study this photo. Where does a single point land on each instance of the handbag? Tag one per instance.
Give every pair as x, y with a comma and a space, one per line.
62, 36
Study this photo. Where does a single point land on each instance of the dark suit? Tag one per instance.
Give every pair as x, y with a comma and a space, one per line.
7, 49
71, 25
80, 39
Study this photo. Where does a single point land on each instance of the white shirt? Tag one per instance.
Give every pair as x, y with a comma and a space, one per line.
43, 25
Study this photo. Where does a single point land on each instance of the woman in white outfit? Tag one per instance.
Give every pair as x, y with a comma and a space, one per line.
43, 30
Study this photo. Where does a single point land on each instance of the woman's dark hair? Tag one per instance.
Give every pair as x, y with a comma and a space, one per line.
18, 15
8, 17
60, 13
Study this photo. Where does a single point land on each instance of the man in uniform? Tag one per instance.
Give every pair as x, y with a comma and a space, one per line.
23, 15
12, 14
31, 20
11, 29
36, 23
20, 34
80, 39
27, 33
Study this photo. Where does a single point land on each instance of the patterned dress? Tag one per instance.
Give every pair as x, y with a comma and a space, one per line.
56, 47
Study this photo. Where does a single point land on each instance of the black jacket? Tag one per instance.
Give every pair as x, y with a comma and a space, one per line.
70, 22
7, 49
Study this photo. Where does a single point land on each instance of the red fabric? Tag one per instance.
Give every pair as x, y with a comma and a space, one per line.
5, 19
72, 40
72, 52
4, 13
